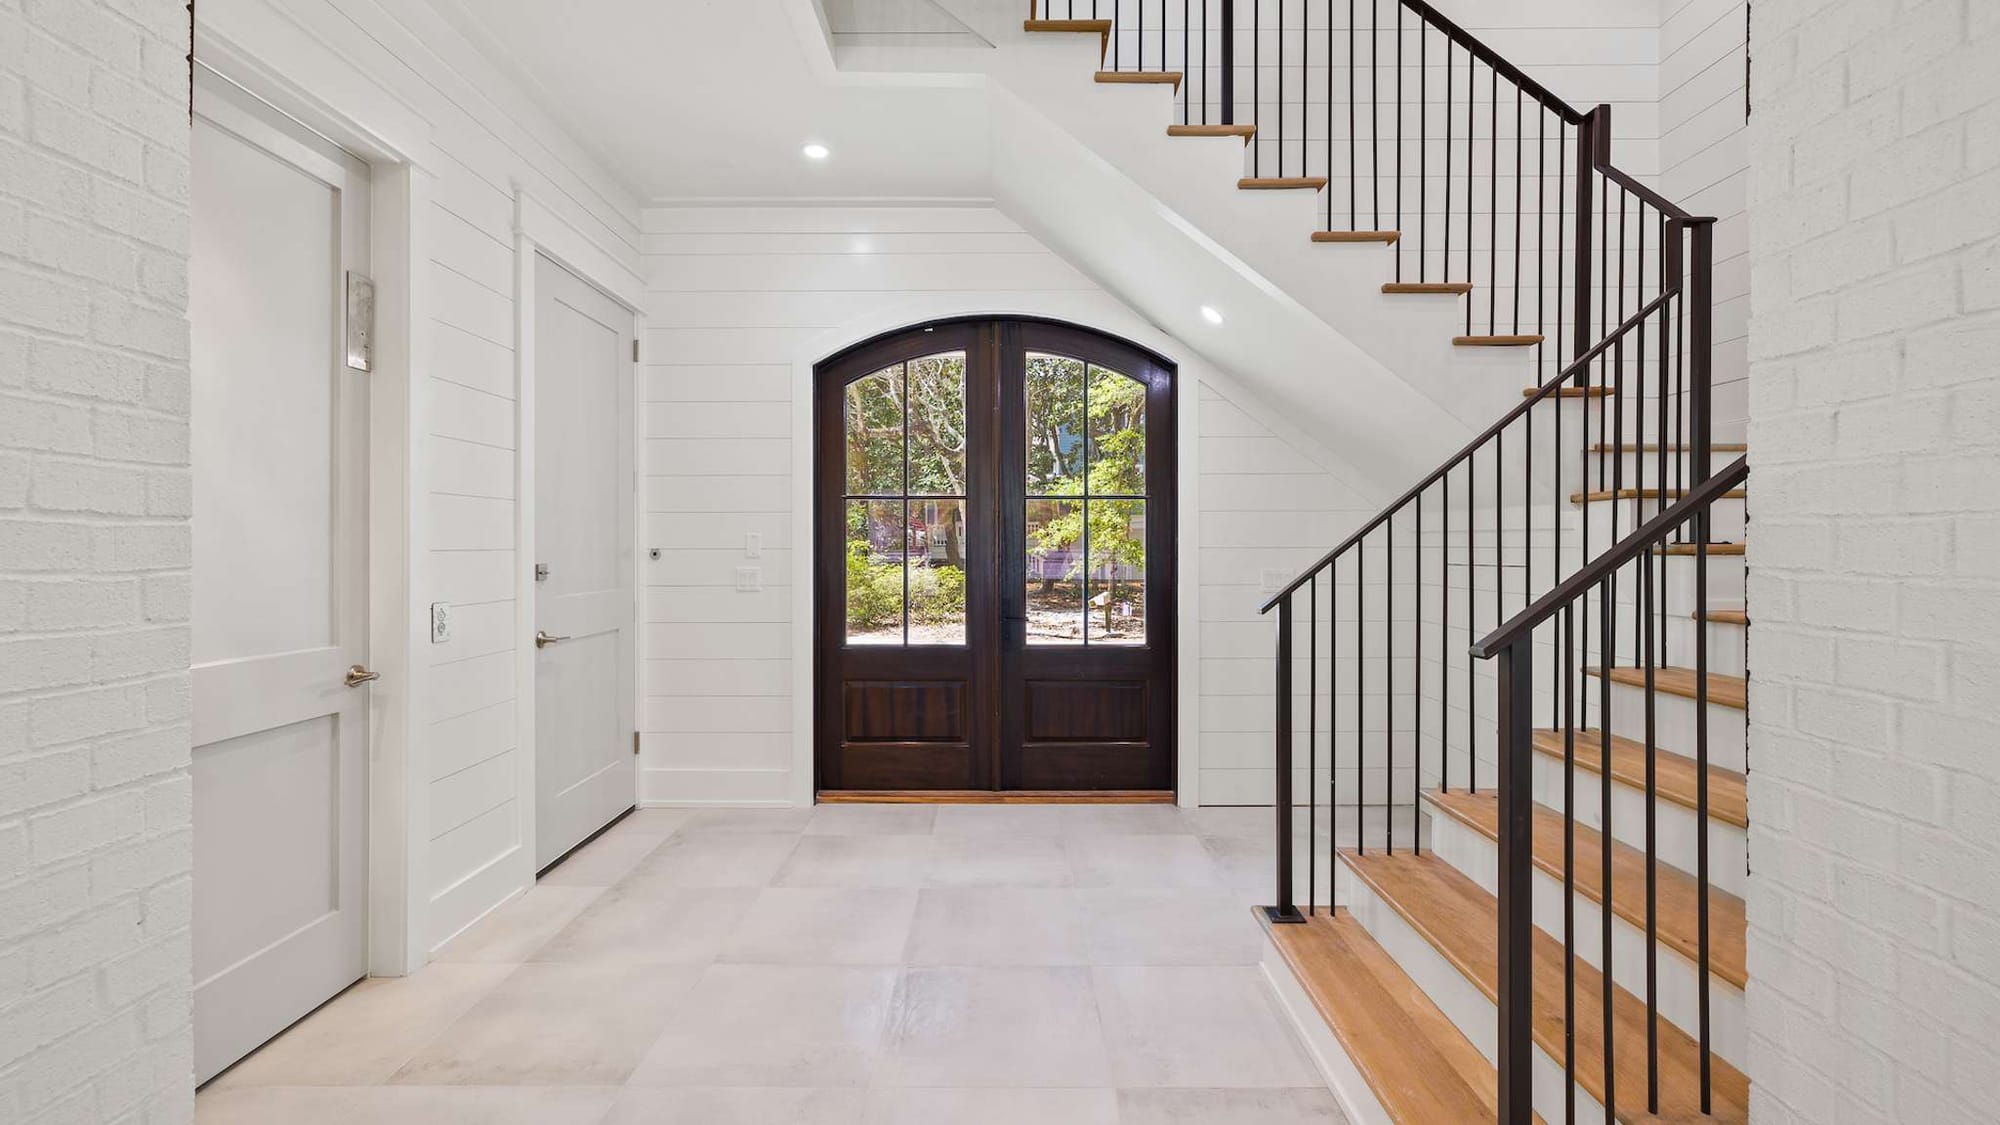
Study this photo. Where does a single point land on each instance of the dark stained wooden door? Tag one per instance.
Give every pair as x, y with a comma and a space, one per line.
994, 562
1087, 576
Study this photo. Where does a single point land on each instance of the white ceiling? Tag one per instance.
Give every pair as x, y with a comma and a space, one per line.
698, 99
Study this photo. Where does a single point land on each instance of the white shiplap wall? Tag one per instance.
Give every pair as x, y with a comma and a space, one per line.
488, 140
740, 297
1705, 166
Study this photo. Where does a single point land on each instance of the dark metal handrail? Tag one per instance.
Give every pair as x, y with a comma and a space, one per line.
1472, 447
1648, 534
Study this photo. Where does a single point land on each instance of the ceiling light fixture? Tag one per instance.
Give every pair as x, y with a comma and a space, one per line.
1210, 315
816, 151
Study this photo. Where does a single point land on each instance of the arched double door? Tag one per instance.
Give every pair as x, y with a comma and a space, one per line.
994, 579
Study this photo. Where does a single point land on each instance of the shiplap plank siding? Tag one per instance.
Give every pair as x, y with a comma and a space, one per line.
735, 293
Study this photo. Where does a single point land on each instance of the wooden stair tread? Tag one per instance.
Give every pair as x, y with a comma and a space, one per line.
1673, 774
1726, 691
1389, 237
1724, 616
1571, 392
1141, 77
1102, 27
1727, 550
1496, 341
1244, 131
1679, 919
1598, 496
1420, 1066
1457, 288
1281, 183
1460, 920
1652, 447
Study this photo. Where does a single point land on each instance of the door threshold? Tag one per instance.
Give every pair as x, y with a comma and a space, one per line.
996, 797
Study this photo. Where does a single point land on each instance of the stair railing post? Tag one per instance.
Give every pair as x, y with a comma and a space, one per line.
1582, 266
1516, 883
1701, 349
1229, 62
1283, 909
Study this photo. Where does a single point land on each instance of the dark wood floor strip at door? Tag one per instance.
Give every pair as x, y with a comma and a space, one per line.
996, 797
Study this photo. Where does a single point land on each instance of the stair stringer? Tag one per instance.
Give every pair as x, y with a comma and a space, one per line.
1165, 267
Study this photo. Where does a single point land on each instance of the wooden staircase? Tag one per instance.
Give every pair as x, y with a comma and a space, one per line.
1551, 926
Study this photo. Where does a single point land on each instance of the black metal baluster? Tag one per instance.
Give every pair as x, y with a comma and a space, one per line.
1471, 626
1375, 106
1606, 600
1353, 133
1227, 110
1360, 696
1493, 208
1644, 635
1399, 135
1417, 712
1520, 178
1284, 909
1332, 734
1312, 751
1280, 139
1389, 683
1423, 155
1568, 721
1444, 266
1444, 640
1257, 85
1471, 159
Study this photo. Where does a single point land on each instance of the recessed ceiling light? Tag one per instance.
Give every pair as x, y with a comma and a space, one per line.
816, 151
1210, 315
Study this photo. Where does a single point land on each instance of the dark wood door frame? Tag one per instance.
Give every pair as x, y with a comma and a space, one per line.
959, 756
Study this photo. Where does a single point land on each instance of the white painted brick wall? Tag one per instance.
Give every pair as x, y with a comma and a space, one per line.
1875, 791
95, 811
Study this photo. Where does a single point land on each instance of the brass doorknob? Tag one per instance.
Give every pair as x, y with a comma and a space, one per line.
359, 674
543, 640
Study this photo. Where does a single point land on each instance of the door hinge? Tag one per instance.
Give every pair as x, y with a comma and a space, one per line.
635, 350
635, 742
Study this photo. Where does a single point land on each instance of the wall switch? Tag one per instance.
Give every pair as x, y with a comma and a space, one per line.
753, 545
440, 622
749, 579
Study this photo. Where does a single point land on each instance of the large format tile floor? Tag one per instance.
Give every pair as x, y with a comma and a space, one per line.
849, 964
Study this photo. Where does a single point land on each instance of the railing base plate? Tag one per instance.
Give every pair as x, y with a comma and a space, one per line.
1283, 915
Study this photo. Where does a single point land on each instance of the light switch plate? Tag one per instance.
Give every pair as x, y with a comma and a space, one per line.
749, 579
753, 545
440, 622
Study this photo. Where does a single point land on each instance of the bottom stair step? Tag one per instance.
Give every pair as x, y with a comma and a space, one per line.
1460, 921
1414, 1059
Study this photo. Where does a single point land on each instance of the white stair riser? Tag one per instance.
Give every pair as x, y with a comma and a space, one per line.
1348, 1085
1613, 520
1461, 1001
1674, 824
1728, 645
1674, 724
1643, 469
1478, 858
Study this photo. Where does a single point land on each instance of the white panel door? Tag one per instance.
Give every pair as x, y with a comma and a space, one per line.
585, 609
280, 596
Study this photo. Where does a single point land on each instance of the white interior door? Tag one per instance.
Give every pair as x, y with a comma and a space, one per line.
585, 609
280, 595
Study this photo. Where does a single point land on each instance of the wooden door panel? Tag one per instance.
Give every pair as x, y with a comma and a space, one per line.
905, 712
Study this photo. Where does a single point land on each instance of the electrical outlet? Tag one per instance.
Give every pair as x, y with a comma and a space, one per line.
440, 622
753, 545
749, 579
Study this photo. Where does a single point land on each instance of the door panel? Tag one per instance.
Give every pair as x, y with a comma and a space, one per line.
278, 444
584, 768
1050, 507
